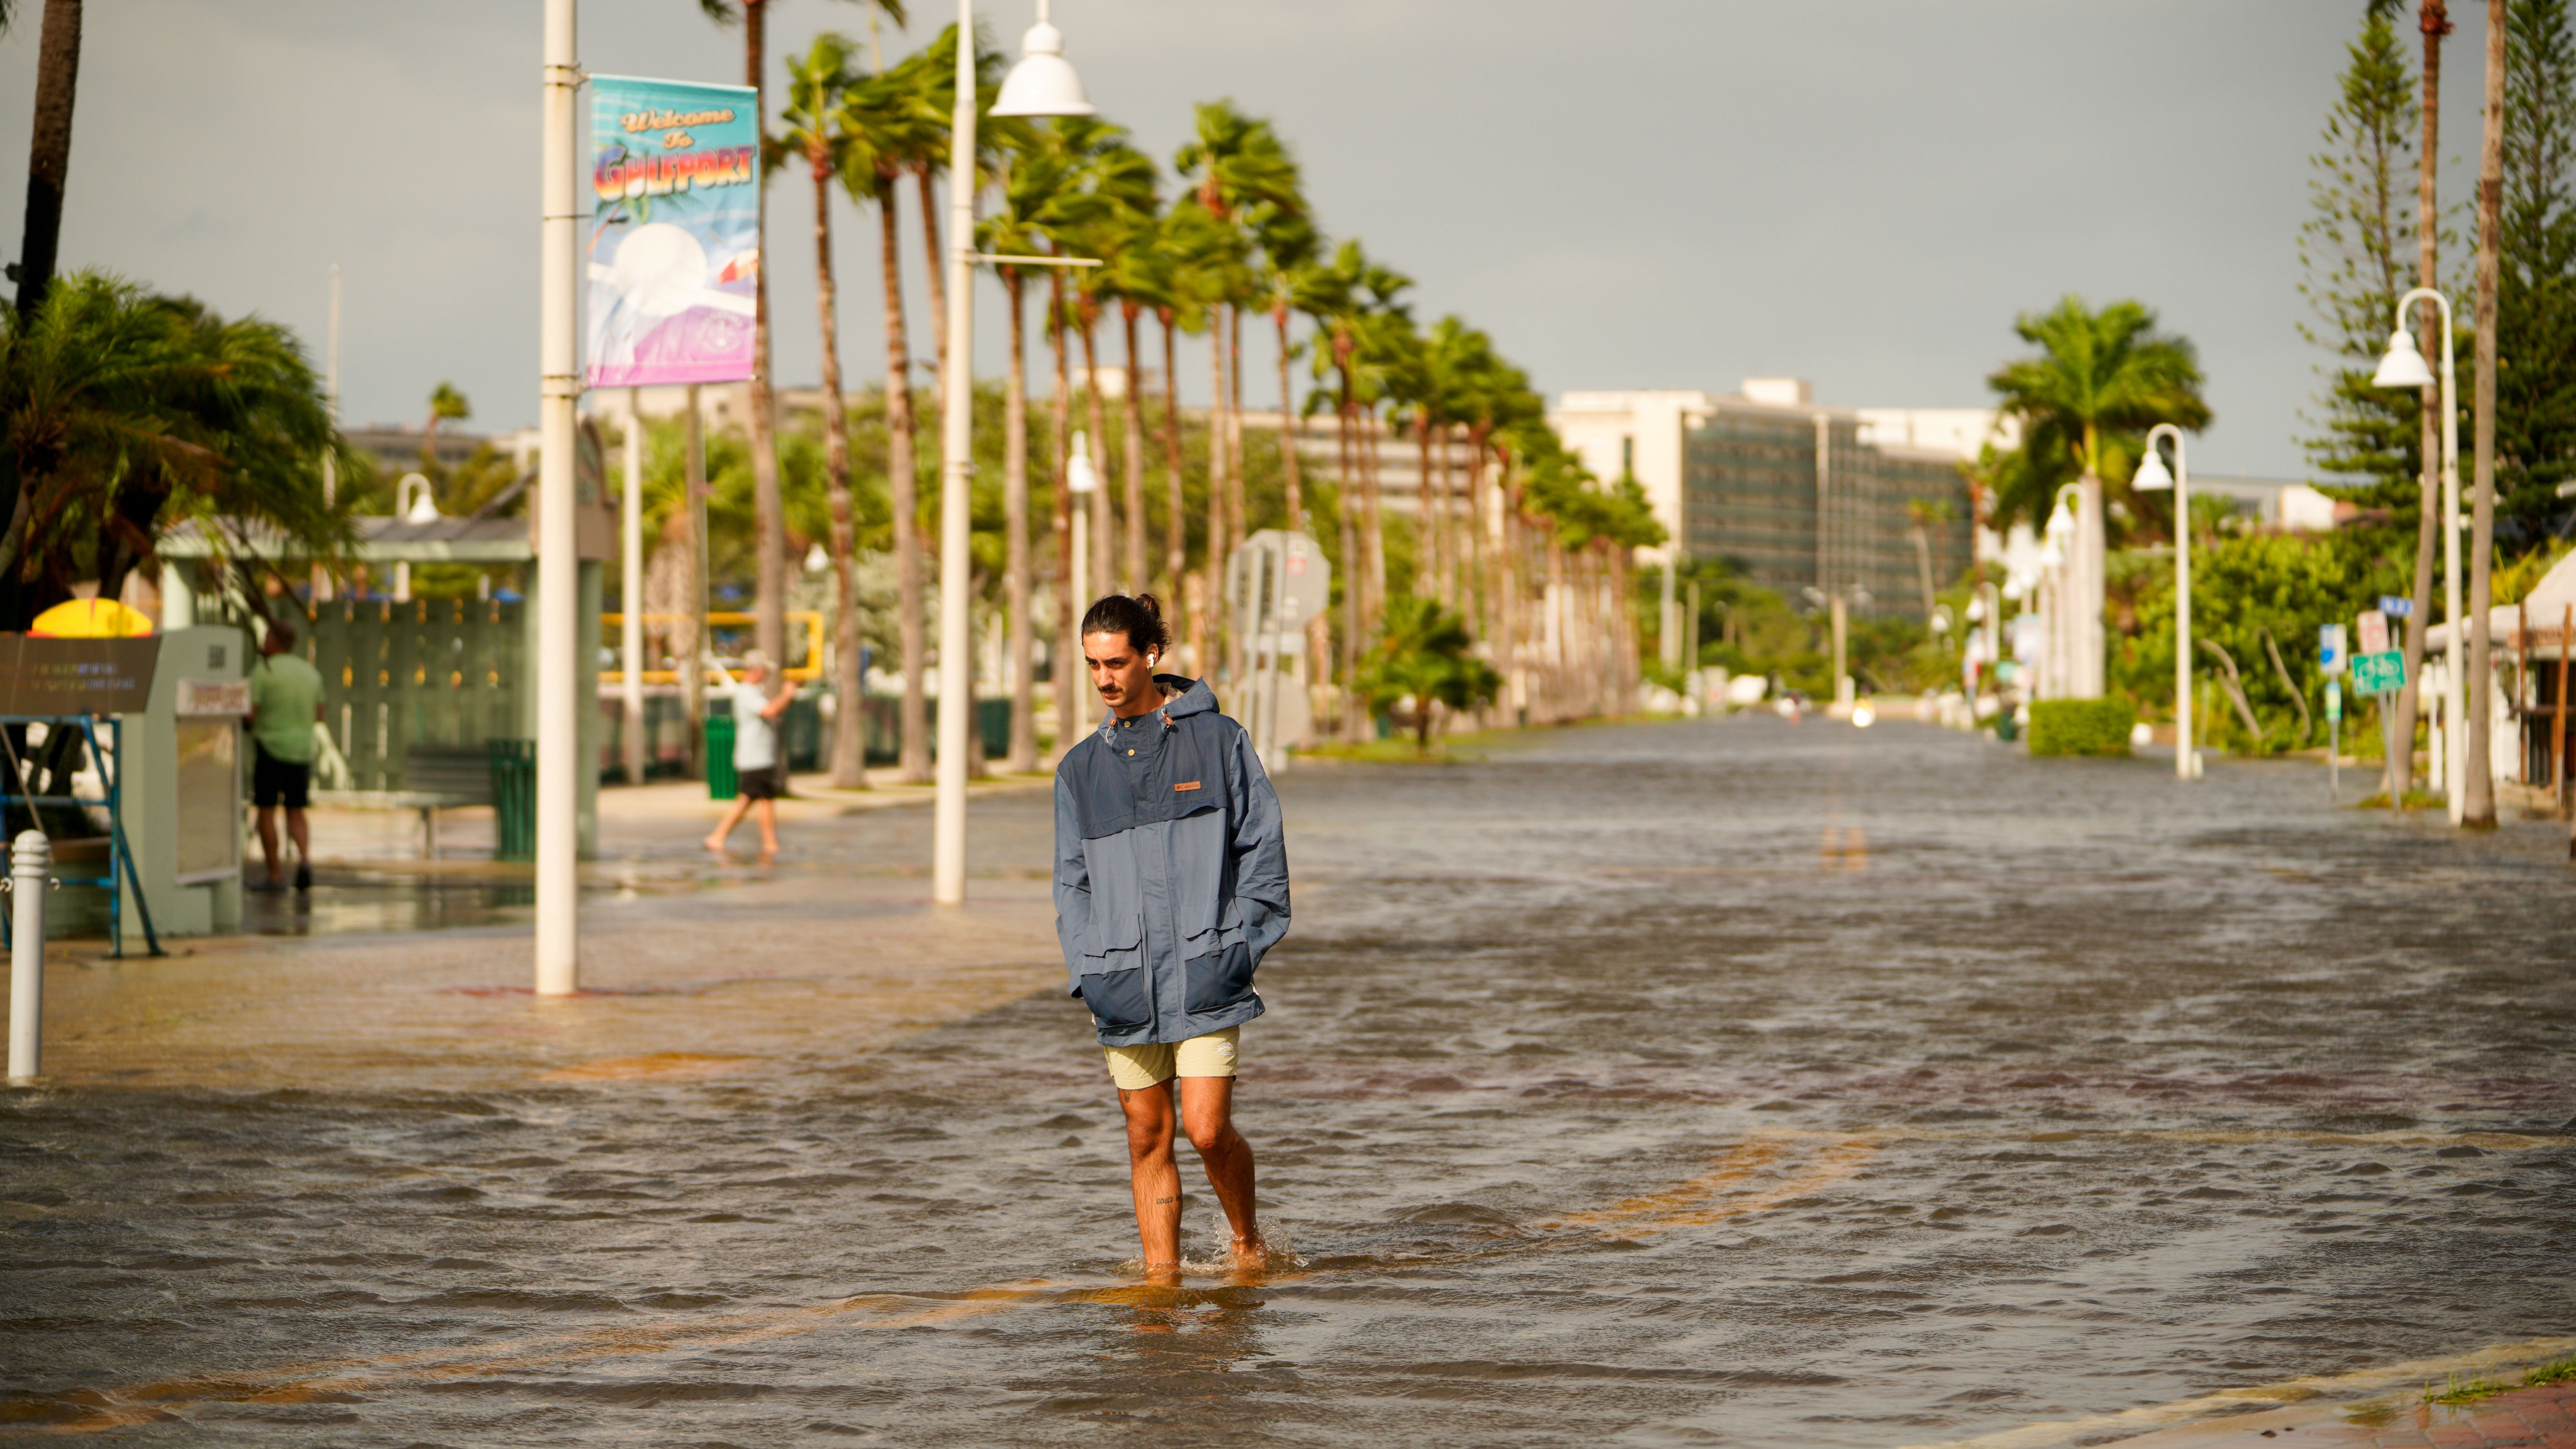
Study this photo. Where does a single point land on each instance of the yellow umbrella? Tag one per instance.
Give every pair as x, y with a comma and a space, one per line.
90, 619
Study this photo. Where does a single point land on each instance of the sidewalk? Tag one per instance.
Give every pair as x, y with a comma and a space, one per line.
2525, 1417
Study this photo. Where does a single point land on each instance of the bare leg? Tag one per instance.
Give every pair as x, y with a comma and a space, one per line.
268, 843
1156, 1180
732, 817
768, 828
299, 830
1207, 1114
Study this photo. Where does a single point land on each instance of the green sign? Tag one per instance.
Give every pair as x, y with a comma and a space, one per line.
2379, 673
2334, 700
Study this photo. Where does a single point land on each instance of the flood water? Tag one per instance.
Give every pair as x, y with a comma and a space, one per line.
1724, 1082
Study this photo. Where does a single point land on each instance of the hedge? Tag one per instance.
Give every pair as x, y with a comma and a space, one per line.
2081, 726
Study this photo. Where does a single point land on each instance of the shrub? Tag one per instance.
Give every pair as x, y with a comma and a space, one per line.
2081, 726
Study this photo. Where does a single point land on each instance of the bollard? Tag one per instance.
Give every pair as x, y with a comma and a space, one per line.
30, 872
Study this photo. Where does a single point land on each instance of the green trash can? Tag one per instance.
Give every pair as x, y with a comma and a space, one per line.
721, 783
514, 799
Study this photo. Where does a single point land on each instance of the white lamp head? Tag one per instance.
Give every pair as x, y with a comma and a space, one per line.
2152, 476
1043, 82
2061, 525
1079, 475
2402, 366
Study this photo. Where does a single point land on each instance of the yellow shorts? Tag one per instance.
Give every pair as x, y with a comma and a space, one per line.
1134, 1068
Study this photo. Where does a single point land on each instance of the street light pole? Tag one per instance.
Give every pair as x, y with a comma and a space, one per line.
558, 569
2403, 367
1041, 84
2151, 478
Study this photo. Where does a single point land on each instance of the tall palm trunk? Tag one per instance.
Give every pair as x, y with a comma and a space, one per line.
1069, 678
1176, 522
1354, 709
1023, 754
938, 282
1133, 448
903, 484
1426, 537
1237, 641
1104, 576
1212, 590
849, 733
2478, 791
1288, 429
769, 514
49, 152
2435, 22
1372, 519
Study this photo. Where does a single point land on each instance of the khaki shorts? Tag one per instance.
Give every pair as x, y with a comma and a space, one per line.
1134, 1068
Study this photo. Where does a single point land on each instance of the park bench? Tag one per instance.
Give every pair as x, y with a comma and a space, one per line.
435, 778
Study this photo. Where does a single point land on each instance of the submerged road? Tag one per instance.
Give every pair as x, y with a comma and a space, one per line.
1721, 1082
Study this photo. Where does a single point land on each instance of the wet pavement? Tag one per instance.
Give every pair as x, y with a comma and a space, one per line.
1722, 1082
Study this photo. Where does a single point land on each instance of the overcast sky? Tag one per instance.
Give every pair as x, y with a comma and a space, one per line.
1645, 193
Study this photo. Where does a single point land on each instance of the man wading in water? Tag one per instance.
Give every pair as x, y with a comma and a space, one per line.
1171, 880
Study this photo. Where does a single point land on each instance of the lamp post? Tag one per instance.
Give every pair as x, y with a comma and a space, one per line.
1041, 84
2152, 478
2403, 367
558, 927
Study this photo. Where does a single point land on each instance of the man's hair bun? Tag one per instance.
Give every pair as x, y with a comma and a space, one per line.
1139, 617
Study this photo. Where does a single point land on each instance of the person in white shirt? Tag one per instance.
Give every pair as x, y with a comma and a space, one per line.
760, 771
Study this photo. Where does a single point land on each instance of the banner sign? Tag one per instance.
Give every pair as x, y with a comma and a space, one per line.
673, 245
44, 676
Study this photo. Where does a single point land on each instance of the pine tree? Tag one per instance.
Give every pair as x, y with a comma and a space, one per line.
2536, 282
2356, 248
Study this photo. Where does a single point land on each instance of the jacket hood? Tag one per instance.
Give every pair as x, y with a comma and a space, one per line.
1190, 696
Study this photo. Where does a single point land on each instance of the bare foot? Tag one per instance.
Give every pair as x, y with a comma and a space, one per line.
714, 843
1248, 1257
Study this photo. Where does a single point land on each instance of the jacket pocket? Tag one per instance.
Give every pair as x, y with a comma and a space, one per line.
1218, 980
1111, 944
1120, 1000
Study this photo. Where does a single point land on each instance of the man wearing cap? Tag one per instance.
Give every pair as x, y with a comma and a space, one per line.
760, 771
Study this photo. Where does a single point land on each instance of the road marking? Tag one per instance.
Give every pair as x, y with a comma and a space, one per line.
2130, 1422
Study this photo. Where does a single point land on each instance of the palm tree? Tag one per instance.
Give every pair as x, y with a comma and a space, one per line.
1138, 275
1033, 207
2099, 380
1207, 257
886, 127
812, 128
1289, 244
49, 149
445, 402
123, 413
1426, 656
1122, 179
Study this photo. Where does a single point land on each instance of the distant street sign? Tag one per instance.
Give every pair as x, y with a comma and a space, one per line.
2396, 606
2330, 648
2374, 631
2334, 700
2379, 673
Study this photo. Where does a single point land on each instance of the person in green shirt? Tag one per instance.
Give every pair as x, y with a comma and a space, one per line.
285, 705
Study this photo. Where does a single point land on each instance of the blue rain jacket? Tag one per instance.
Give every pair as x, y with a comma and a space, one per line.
1171, 875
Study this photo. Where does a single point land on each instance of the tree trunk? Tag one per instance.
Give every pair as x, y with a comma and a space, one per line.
1426, 541
903, 485
1372, 521
1132, 447
1354, 709
1069, 674
1235, 516
49, 152
1289, 431
1212, 592
769, 532
1104, 577
1176, 520
849, 726
938, 284
2478, 789
1023, 754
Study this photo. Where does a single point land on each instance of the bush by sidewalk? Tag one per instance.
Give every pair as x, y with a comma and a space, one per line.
2081, 726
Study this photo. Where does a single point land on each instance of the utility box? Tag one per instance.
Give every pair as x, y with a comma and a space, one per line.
181, 784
